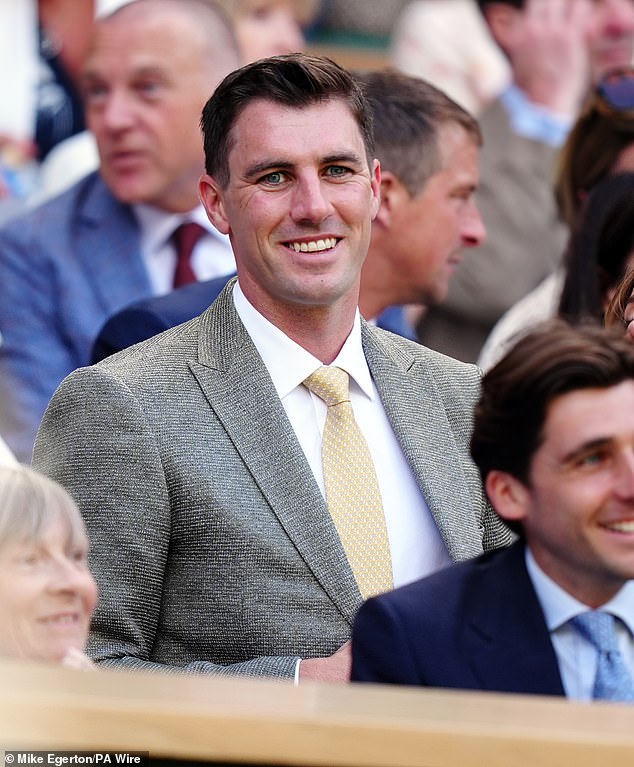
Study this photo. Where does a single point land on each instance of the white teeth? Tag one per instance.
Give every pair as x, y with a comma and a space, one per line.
62, 619
313, 246
622, 527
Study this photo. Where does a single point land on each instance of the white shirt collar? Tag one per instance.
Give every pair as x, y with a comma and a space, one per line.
157, 225
559, 606
288, 363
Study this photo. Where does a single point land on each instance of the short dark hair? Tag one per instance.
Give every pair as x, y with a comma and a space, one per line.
294, 80
408, 114
552, 360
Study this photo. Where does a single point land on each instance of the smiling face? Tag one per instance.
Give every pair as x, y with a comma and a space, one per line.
431, 229
577, 510
47, 594
298, 206
145, 82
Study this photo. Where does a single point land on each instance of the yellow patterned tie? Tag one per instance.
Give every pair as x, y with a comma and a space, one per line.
352, 489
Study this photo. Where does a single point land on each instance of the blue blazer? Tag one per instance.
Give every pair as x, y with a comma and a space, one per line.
477, 625
146, 318
65, 267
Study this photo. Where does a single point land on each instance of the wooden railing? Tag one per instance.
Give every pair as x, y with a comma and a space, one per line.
236, 721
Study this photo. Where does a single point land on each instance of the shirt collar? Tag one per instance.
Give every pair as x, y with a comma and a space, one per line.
559, 606
288, 363
157, 226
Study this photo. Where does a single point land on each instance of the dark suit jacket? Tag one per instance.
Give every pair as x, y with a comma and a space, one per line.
146, 318
477, 625
210, 540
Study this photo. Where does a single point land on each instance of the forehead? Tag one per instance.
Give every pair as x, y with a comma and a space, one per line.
584, 416
134, 41
267, 130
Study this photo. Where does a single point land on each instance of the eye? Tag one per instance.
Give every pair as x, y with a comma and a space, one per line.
337, 171
275, 178
148, 89
94, 93
593, 458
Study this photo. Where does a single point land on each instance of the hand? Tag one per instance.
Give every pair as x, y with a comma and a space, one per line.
335, 668
75, 658
549, 52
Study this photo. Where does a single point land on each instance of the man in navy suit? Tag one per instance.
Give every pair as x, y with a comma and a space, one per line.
428, 148
67, 266
554, 442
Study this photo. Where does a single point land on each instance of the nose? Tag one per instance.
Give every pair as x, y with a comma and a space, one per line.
116, 112
290, 38
624, 485
310, 203
618, 17
68, 575
474, 232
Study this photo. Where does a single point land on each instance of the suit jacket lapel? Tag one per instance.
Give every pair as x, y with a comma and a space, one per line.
241, 394
108, 234
415, 409
507, 639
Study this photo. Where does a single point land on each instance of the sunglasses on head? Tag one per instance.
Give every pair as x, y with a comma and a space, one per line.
616, 90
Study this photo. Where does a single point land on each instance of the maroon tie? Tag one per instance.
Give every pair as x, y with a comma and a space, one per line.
185, 238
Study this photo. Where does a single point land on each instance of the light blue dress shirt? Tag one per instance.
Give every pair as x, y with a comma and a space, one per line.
576, 656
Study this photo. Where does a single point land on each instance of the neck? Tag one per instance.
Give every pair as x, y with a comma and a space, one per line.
320, 330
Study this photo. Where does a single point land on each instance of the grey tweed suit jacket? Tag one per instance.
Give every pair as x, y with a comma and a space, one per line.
211, 542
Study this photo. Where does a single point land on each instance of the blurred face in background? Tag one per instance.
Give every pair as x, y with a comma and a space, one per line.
268, 28
610, 35
47, 594
146, 79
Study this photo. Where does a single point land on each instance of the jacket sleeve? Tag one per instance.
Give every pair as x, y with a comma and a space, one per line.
95, 440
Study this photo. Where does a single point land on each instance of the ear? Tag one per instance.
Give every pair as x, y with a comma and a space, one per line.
375, 183
509, 497
502, 18
393, 193
212, 197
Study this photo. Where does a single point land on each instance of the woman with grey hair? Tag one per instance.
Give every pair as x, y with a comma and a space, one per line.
47, 594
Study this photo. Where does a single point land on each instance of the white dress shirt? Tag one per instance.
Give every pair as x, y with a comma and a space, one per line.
212, 256
416, 545
576, 656
6, 456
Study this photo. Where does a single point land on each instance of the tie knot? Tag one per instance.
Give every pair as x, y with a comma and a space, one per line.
329, 383
597, 627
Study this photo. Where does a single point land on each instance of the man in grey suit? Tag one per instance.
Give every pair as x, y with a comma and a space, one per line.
195, 456
66, 266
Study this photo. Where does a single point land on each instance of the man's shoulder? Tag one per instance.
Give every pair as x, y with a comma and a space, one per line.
405, 353
449, 585
89, 198
184, 303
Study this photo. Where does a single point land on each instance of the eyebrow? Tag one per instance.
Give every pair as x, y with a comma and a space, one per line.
332, 159
593, 444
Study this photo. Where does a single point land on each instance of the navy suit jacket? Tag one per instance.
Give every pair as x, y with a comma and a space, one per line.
64, 268
146, 318
477, 625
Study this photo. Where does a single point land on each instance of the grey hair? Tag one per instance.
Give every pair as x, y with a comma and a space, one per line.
29, 502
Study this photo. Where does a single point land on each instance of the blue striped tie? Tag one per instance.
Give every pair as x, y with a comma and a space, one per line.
613, 680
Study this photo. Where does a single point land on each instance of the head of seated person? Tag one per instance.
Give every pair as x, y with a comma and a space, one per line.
266, 28
47, 593
601, 143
